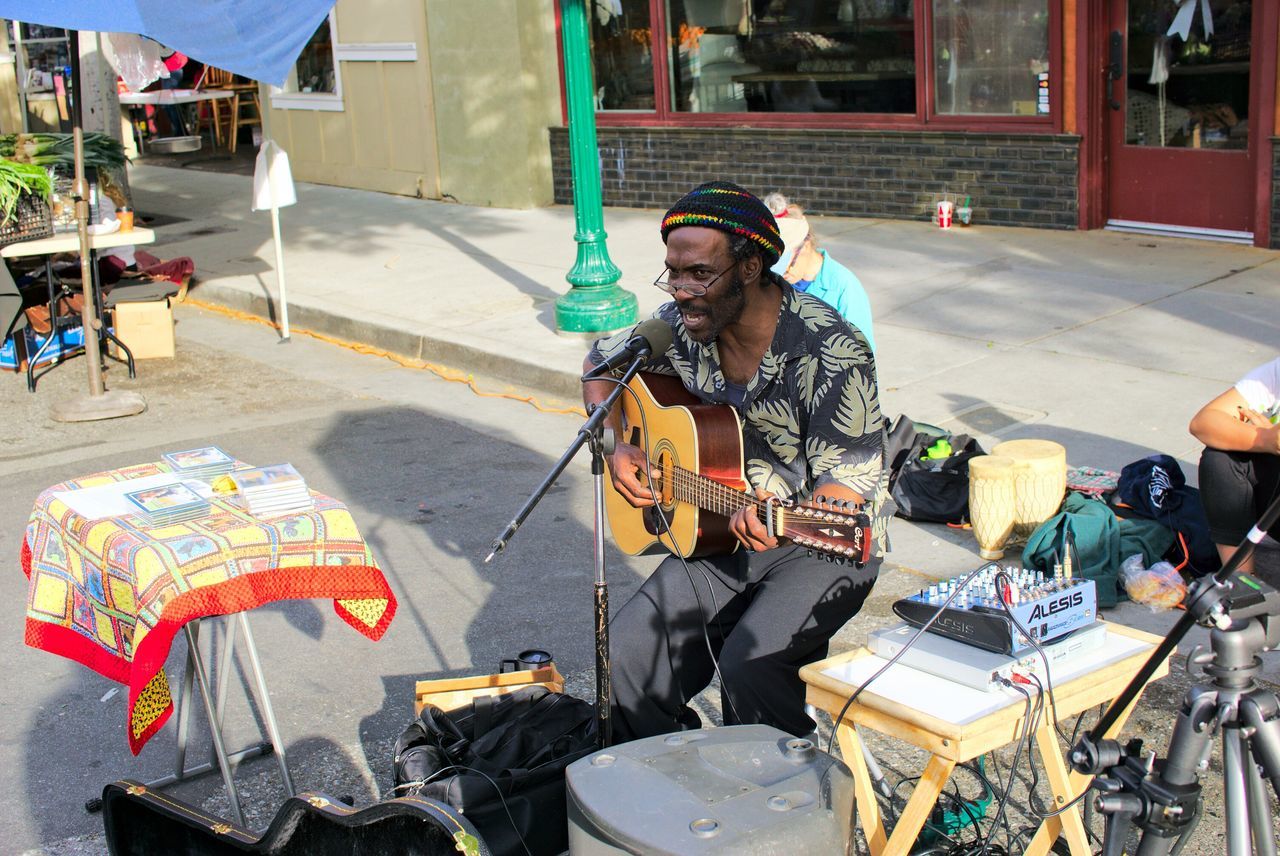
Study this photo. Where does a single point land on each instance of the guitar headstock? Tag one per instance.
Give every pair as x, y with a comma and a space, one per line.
836, 530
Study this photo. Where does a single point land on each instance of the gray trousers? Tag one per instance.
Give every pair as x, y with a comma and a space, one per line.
767, 614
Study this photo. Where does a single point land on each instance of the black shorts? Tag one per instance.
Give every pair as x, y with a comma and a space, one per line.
1236, 488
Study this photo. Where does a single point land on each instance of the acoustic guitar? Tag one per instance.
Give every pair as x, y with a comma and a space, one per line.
697, 449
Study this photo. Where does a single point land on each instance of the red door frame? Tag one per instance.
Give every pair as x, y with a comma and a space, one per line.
1092, 29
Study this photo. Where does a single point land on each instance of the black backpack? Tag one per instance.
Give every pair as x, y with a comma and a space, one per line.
930, 491
501, 761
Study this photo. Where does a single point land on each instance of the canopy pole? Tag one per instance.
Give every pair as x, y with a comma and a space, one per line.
99, 404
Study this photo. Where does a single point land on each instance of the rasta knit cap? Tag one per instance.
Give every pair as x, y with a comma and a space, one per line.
725, 206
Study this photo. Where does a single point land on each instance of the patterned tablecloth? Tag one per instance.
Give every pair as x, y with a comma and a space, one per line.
111, 593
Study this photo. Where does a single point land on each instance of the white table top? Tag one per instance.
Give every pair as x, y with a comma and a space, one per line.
174, 96
69, 242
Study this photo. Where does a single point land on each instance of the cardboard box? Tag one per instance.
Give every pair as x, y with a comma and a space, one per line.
453, 693
146, 328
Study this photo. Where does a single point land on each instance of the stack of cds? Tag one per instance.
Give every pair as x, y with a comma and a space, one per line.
273, 490
207, 462
167, 504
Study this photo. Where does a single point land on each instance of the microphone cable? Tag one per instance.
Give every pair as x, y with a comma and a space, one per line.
675, 551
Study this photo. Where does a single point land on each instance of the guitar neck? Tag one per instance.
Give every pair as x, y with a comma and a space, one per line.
842, 532
710, 495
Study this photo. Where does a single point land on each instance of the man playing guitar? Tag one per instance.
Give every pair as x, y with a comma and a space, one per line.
803, 382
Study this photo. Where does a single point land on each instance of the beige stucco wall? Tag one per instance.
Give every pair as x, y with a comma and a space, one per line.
467, 121
384, 138
497, 91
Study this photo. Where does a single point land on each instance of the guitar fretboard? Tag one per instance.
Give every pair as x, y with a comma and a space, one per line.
706, 493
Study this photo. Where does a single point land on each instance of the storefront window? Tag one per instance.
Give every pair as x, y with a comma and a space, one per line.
621, 40
991, 57
792, 56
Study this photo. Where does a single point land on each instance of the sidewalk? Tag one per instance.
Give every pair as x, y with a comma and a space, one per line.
1104, 342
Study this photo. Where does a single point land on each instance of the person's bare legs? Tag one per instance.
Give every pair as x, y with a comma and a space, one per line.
1226, 552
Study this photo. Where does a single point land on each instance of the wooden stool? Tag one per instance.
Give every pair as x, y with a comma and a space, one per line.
246, 95
1040, 481
881, 708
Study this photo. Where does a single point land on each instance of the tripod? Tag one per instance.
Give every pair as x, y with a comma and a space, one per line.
1163, 797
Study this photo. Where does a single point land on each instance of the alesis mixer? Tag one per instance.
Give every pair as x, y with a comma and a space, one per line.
1049, 607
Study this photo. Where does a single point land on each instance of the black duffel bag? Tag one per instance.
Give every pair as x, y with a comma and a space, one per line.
929, 491
501, 761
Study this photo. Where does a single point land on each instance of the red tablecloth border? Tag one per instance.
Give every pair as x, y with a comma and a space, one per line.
238, 594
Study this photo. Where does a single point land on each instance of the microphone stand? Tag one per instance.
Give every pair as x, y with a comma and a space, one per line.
601, 442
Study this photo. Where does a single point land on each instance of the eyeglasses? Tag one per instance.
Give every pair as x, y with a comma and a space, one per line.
695, 282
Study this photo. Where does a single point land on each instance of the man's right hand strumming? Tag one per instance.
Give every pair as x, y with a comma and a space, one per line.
627, 466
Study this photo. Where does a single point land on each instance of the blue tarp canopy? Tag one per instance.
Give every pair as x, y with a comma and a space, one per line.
258, 39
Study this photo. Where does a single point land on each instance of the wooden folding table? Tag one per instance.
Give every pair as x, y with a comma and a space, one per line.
952, 743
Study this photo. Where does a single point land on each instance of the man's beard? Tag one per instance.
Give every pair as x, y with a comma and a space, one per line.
720, 313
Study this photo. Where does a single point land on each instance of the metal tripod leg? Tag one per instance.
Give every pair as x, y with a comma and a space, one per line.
1260, 821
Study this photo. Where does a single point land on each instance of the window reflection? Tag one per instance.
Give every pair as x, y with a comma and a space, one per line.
991, 56
621, 55
1187, 89
792, 56
315, 67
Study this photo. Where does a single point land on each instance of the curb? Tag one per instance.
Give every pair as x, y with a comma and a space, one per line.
497, 367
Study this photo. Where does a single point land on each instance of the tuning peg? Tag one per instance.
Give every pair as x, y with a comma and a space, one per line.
809, 553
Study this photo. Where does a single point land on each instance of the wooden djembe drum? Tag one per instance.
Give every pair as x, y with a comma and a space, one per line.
992, 503
1040, 481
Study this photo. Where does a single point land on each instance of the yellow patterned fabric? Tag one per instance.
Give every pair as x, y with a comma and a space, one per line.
112, 593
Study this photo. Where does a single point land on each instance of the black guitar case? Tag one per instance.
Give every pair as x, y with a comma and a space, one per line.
143, 822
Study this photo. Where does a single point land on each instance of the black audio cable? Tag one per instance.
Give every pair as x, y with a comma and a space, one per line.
1044, 658
905, 648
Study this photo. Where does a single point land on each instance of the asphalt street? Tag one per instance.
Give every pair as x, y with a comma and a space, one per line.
432, 472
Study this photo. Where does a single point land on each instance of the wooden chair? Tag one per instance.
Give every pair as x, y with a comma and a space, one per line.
209, 113
246, 96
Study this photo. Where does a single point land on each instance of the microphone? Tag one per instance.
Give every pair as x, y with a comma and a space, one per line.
649, 338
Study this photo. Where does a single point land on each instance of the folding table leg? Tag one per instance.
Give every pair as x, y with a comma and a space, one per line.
1069, 822
264, 699
868, 809
224, 764
1066, 787
921, 804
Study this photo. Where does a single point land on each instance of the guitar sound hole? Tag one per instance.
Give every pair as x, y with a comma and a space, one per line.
653, 521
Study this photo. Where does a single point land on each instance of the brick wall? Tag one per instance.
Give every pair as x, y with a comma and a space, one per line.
1014, 179
1275, 193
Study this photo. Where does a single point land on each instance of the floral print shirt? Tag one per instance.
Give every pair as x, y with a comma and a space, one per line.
810, 416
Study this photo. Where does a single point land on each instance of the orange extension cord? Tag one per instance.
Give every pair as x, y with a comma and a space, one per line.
443, 372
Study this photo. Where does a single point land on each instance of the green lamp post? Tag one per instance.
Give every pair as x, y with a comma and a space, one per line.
595, 303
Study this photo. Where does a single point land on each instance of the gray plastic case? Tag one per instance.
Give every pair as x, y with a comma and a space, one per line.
744, 789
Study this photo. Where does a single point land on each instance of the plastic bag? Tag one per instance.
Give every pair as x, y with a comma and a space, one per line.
1159, 586
137, 60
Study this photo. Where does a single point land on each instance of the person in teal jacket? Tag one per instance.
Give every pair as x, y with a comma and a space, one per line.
810, 269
